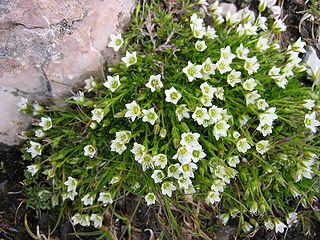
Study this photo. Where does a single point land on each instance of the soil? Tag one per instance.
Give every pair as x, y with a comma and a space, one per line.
13, 209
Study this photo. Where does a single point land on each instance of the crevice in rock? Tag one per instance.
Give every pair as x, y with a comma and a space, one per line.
46, 83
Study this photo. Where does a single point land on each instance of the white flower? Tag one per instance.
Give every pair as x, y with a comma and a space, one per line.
113, 83
246, 227
123, 136
69, 195
45, 123
39, 133
243, 119
278, 26
311, 122
262, 146
71, 183
215, 113
211, 33
226, 54
200, 114
207, 90
298, 46
261, 23
88, 199
206, 100
234, 78
220, 129
224, 218
251, 65
138, 150
167, 188
292, 218
33, 169
208, 67
76, 219
242, 52
147, 162
89, 151
150, 198
235, 134
198, 30
23, 104
154, 82
200, 46
37, 109
192, 71
265, 129
149, 116
268, 224
91, 84
97, 220
232, 19
308, 104
218, 185
223, 66
268, 116
262, 44
117, 146
281, 81
79, 97
213, 197
35, 149
133, 110
195, 20
243, 146
249, 29
182, 112
115, 179
173, 171
249, 84
187, 169
279, 226
197, 154
190, 140
219, 93
262, 5
160, 160
240, 30
233, 161
116, 42
130, 58
274, 71
157, 176
184, 182
105, 198
183, 155
203, 2
252, 97
172, 95
262, 104
97, 114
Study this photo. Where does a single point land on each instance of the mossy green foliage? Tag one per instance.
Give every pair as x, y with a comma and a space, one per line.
261, 188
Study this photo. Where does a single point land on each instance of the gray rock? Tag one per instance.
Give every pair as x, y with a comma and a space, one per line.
47, 47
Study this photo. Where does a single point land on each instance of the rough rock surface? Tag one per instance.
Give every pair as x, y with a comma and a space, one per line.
46, 47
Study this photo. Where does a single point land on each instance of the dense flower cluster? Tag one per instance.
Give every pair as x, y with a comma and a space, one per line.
224, 123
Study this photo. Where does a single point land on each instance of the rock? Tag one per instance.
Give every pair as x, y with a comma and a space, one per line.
47, 47
312, 60
228, 7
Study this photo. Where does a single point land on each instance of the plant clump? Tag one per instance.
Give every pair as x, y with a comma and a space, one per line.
205, 113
